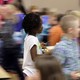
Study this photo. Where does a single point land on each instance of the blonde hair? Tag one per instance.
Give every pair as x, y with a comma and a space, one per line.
76, 13
69, 21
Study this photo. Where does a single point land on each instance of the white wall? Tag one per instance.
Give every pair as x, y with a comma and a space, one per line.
60, 5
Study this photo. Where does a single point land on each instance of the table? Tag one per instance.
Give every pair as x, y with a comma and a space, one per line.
3, 74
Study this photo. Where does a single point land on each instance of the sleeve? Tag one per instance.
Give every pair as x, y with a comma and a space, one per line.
59, 54
32, 42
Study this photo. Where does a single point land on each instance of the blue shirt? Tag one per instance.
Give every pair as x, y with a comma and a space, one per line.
18, 25
67, 52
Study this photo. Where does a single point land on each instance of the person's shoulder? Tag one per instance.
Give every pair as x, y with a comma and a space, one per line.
31, 37
61, 45
56, 28
34, 37
60, 49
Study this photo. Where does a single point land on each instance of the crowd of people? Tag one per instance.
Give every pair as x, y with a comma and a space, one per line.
27, 32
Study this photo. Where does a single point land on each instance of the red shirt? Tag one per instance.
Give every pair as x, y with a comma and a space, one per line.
2, 1
55, 34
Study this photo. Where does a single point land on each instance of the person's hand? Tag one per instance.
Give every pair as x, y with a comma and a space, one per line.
43, 45
75, 75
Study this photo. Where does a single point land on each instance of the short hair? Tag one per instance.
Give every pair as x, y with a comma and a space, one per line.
69, 21
59, 16
31, 22
76, 13
49, 67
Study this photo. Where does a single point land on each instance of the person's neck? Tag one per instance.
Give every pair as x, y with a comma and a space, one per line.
69, 36
32, 34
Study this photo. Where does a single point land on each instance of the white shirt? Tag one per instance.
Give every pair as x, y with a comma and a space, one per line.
28, 64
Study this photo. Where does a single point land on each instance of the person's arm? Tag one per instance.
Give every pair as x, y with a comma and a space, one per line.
33, 52
59, 53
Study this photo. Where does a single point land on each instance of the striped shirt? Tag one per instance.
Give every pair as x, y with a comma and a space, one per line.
67, 52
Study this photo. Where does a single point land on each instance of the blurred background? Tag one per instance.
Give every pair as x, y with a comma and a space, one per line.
12, 35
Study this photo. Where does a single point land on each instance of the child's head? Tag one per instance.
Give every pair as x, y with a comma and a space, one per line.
70, 25
74, 12
6, 12
49, 68
32, 23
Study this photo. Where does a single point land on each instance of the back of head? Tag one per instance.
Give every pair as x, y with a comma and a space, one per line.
34, 8
31, 21
69, 21
59, 16
49, 68
74, 12
44, 11
18, 4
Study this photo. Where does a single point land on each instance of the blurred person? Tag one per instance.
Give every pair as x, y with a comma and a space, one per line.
7, 1
55, 32
48, 68
1, 17
20, 6
67, 50
3, 2
19, 16
53, 19
34, 9
68, 11
76, 13
45, 24
79, 41
32, 25
1, 45
19, 12
10, 49
44, 11
44, 15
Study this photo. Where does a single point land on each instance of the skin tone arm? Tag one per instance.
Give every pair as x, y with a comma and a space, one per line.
33, 52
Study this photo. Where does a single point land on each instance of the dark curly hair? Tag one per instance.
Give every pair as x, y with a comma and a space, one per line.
31, 21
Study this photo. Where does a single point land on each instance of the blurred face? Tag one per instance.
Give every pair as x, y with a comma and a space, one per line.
53, 20
40, 29
5, 12
76, 30
10, 8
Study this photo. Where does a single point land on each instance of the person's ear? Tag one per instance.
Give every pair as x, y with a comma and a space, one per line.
40, 29
70, 30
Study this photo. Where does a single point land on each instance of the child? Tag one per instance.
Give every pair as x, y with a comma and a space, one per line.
67, 50
9, 48
32, 25
48, 68
79, 41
